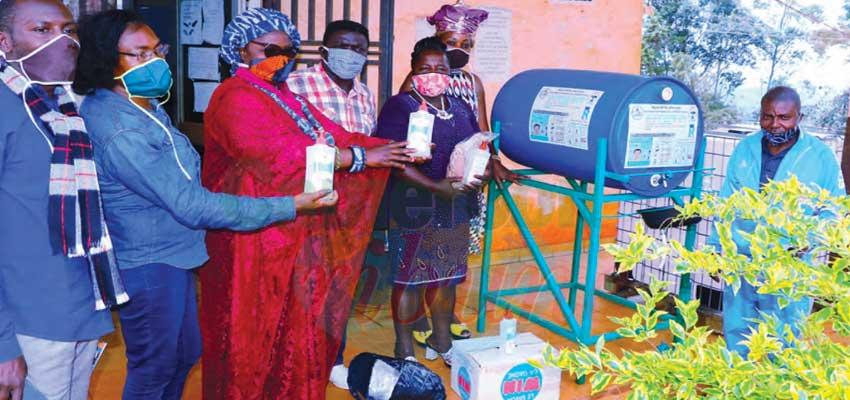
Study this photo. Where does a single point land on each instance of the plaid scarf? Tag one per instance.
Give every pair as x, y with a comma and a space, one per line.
75, 214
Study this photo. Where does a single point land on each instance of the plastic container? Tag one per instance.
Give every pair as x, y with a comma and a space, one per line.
419, 131
666, 217
507, 332
552, 119
319, 175
476, 163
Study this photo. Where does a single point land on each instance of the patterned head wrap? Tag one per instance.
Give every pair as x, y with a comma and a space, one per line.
458, 18
250, 25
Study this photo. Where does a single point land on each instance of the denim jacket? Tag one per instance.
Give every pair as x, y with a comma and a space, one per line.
154, 213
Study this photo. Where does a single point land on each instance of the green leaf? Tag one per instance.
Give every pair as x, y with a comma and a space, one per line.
626, 332
600, 345
688, 312
677, 330
599, 382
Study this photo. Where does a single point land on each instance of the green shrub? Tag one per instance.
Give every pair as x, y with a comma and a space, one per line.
796, 227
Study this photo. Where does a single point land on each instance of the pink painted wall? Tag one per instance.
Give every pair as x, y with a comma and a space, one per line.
603, 35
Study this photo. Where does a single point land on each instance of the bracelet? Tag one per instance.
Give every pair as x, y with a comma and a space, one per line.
358, 162
337, 159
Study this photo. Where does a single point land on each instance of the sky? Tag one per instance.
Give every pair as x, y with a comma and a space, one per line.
830, 70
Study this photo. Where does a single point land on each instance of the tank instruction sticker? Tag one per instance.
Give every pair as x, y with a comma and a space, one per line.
661, 135
561, 116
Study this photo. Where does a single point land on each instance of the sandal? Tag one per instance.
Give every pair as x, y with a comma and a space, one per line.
460, 331
421, 337
431, 354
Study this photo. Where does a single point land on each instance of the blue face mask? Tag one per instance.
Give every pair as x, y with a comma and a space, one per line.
283, 73
345, 63
149, 80
781, 138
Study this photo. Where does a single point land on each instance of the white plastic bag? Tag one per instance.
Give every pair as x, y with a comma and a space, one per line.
467, 156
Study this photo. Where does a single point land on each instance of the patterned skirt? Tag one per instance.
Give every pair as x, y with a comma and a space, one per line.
430, 256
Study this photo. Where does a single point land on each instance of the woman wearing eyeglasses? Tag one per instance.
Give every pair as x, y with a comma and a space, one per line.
275, 301
154, 204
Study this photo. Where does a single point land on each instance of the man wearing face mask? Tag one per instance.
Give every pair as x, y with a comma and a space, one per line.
51, 315
333, 85
776, 152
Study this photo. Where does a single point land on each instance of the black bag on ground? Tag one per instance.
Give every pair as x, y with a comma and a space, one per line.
375, 377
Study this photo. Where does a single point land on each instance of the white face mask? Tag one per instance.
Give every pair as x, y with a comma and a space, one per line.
52, 63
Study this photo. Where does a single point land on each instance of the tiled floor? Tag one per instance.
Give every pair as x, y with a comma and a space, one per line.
372, 330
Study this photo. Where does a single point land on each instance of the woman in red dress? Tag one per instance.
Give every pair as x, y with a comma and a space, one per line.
275, 301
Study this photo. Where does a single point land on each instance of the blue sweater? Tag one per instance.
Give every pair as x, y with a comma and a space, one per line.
810, 160
44, 295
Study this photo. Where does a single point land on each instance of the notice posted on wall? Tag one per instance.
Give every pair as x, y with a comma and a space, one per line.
661, 135
491, 58
561, 116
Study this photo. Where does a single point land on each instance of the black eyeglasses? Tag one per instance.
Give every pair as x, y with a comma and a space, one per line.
273, 50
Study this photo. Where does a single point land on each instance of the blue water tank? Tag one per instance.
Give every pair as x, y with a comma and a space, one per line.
552, 119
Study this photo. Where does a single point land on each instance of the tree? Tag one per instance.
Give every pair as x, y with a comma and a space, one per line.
668, 32
704, 43
791, 230
825, 108
727, 41
786, 40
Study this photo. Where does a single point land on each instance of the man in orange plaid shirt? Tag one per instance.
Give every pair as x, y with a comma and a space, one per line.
332, 85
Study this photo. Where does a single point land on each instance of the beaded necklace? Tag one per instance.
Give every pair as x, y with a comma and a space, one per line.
310, 126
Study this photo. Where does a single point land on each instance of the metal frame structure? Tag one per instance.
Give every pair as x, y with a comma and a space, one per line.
580, 193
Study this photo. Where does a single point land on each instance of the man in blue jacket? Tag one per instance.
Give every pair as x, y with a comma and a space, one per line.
49, 325
776, 152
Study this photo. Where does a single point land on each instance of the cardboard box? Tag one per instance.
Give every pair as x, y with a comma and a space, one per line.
482, 370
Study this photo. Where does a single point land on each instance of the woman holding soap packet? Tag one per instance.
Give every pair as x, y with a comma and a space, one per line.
430, 203
276, 301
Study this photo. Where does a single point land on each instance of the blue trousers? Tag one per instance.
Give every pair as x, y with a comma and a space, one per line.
161, 331
739, 308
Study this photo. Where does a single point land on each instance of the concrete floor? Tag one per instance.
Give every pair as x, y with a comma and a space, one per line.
371, 330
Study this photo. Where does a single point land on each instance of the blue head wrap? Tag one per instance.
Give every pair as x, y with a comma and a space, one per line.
250, 25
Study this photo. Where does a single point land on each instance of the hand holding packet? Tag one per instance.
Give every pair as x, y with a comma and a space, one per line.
420, 128
470, 158
319, 174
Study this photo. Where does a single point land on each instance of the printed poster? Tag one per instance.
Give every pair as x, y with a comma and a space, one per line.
561, 116
491, 59
213, 29
203, 63
191, 24
661, 135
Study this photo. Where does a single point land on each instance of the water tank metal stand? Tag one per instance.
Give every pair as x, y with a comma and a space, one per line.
578, 191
